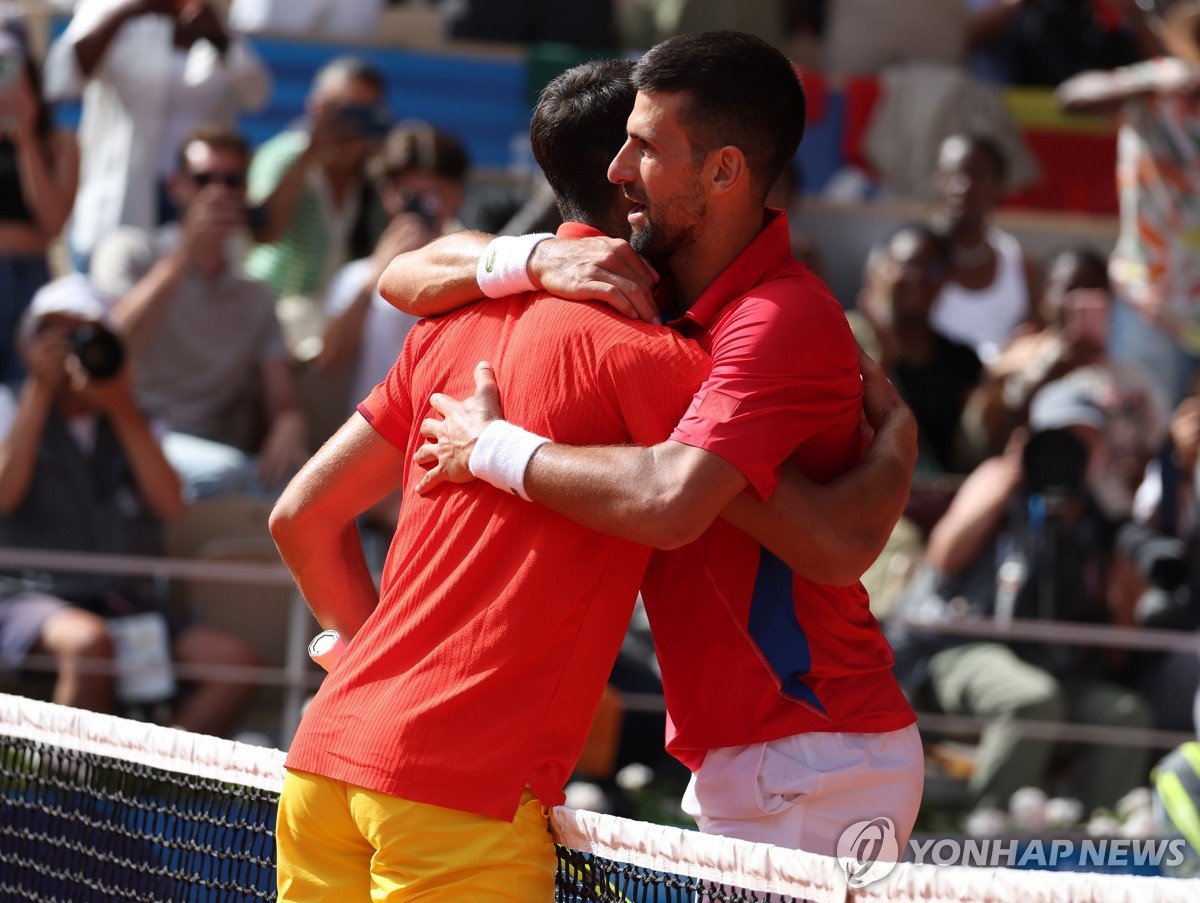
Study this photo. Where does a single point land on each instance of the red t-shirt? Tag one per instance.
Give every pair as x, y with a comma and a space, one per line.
749, 651
498, 621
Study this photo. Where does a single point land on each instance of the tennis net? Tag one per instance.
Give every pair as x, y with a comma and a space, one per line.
97, 808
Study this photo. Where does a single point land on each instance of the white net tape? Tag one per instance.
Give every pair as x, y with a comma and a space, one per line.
758, 868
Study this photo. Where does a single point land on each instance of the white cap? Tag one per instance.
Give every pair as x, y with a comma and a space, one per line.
73, 295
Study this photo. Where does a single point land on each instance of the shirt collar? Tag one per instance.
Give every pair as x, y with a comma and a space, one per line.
577, 230
771, 245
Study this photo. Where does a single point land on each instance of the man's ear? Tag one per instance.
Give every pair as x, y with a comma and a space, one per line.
727, 169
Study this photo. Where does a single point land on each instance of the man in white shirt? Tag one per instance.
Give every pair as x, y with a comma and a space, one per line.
149, 72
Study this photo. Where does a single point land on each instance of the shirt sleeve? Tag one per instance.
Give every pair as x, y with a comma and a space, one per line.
389, 407
249, 76
62, 78
8, 411
345, 286
271, 162
121, 261
784, 384
651, 382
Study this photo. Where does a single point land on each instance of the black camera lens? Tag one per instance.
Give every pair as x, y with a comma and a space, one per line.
99, 350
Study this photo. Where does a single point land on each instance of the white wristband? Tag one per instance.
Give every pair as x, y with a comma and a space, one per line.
503, 268
326, 648
502, 454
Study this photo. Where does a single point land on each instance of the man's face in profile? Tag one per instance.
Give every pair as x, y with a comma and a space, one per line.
659, 174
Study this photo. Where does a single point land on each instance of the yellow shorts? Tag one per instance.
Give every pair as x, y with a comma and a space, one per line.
339, 842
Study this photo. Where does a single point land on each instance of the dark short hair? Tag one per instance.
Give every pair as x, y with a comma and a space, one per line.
1086, 256
419, 147
578, 127
216, 135
941, 244
350, 67
986, 145
740, 91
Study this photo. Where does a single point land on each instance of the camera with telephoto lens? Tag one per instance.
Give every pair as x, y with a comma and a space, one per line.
100, 352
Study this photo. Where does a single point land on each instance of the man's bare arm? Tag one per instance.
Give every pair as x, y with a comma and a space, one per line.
667, 495
440, 277
1103, 92
313, 523
831, 533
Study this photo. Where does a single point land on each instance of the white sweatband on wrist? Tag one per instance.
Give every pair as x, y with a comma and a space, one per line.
502, 454
503, 268
326, 648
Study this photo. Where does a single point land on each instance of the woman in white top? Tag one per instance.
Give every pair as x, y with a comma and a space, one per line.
149, 72
988, 296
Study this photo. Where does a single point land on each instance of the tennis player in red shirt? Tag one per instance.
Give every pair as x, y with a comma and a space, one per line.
779, 689
424, 765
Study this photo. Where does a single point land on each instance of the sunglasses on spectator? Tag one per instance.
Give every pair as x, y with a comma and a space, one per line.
228, 179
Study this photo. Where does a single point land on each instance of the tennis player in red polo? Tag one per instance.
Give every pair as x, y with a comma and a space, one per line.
779, 690
423, 767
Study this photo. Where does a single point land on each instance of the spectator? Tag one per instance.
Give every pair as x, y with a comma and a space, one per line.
1155, 270
935, 375
39, 166
81, 471
331, 19
1024, 539
421, 176
1167, 505
1076, 307
208, 351
320, 209
1044, 42
149, 72
988, 294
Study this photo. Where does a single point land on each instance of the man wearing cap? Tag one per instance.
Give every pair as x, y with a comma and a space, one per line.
81, 470
1024, 538
1154, 267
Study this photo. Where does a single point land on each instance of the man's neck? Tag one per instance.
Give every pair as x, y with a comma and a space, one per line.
721, 241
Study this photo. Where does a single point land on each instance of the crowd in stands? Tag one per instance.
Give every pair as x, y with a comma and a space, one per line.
232, 290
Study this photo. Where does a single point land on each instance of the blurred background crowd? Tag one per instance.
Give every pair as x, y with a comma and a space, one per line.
197, 198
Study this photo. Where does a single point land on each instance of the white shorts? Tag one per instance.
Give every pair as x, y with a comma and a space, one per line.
804, 791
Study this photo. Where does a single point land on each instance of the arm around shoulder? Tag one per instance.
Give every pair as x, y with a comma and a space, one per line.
437, 278
664, 496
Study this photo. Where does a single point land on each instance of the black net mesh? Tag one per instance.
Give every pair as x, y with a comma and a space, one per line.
586, 877
79, 827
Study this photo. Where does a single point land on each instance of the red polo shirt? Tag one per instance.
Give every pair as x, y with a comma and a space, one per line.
498, 620
749, 651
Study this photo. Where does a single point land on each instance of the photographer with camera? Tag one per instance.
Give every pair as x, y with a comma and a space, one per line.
420, 176
209, 352
1025, 538
320, 208
148, 72
38, 171
81, 470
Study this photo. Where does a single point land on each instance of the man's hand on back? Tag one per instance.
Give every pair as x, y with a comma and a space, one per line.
597, 269
452, 439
